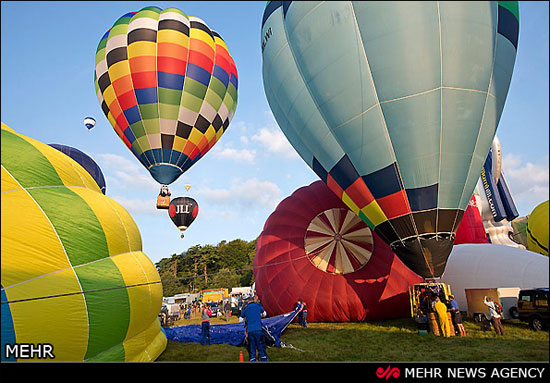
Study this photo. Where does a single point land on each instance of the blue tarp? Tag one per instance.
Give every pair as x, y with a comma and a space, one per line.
232, 333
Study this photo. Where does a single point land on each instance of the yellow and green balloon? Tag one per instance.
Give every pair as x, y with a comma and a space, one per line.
537, 229
73, 271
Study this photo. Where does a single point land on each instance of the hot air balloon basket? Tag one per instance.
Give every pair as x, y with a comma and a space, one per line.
163, 202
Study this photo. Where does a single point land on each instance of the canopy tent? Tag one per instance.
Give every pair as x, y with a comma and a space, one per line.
233, 333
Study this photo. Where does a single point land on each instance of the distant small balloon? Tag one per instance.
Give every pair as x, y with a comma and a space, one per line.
89, 122
187, 187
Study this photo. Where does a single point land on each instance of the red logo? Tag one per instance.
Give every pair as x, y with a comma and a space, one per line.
388, 372
172, 210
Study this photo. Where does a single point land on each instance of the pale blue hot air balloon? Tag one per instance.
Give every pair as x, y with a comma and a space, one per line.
394, 105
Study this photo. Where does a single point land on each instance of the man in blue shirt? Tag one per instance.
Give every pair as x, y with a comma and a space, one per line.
253, 314
456, 316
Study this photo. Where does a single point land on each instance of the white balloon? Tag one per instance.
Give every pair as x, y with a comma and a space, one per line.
478, 266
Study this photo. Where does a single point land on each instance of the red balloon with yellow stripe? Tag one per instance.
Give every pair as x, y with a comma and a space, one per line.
168, 85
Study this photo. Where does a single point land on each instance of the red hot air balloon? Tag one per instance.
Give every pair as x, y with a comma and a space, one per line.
314, 248
471, 229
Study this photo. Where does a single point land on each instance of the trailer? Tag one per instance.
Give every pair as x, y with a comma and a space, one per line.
507, 297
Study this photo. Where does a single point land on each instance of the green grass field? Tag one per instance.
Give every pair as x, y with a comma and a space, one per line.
391, 340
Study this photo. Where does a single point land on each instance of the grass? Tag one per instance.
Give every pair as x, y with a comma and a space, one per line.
391, 340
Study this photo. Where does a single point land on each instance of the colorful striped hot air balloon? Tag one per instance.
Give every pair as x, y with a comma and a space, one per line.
168, 85
73, 272
394, 105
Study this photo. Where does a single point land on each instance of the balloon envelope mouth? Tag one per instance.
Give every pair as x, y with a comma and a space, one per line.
425, 255
165, 174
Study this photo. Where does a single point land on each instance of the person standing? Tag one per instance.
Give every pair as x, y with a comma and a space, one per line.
456, 316
304, 314
494, 315
443, 318
227, 309
252, 314
205, 333
298, 307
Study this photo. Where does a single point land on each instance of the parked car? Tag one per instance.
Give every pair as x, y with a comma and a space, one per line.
533, 308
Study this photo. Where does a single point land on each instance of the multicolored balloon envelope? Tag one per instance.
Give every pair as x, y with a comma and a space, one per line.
86, 162
314, 248
168, 86
183, 211
73, 272
394, 105
537, 229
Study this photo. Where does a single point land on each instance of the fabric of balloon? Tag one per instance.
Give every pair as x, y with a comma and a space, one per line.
73, 271
537, 229
86, 162
378, 98
183, 211
471, 228
314, 248
168, 85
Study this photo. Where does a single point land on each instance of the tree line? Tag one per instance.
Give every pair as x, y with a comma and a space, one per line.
225, 265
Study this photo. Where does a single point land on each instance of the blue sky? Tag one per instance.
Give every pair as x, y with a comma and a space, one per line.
47, 64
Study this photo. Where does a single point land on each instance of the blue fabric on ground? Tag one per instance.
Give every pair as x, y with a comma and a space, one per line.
232, 333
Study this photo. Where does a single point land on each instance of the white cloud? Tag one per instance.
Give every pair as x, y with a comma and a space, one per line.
239, 125
528, 182
275, 141
269, 136
121, 172
248, 194
137, 205
237, 155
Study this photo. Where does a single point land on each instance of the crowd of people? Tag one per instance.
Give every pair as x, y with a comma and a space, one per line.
193, 310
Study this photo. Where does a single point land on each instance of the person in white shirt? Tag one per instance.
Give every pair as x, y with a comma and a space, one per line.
494, 316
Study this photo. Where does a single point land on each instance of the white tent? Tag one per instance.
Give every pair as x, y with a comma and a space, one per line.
472, 266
